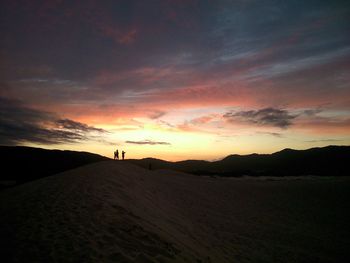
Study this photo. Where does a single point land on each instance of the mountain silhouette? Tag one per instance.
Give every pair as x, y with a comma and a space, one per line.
24, 164
326, 161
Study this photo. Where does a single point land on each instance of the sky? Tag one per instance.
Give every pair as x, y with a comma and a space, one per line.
175, 79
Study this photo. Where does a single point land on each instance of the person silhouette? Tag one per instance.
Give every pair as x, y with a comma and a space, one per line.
116, 155
123, 155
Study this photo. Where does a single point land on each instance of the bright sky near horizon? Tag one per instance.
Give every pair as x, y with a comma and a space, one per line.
175, 79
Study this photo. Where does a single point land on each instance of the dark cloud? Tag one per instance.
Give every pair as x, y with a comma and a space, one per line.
265, 117
156, 114
20, 124
77, 126
275, 134
148, 142
167, 124
311, 112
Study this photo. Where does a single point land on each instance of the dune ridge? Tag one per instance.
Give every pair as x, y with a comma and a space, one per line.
114, 211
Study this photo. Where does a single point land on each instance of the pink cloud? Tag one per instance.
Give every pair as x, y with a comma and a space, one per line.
204, 119
199, 95
322, 125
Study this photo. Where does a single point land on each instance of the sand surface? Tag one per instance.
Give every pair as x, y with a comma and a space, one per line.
117, 212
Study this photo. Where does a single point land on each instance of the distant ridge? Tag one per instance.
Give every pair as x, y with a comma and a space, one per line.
21, 164
325, 161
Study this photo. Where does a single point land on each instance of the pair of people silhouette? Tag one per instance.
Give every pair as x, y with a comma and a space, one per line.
116, 155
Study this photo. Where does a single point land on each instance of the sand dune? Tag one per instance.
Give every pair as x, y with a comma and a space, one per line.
117, 212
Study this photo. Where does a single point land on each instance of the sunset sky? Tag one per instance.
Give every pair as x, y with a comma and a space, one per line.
175, 79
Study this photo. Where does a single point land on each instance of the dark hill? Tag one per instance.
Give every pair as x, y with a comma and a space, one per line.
23, 164
326, 161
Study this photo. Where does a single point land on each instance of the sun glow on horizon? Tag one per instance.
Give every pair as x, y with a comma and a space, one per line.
178, 143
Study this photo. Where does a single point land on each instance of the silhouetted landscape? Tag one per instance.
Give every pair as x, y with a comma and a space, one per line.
24, 164
326, 161
116, 211
96, 209
174, 131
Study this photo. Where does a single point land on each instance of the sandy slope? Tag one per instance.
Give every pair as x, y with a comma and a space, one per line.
117, 212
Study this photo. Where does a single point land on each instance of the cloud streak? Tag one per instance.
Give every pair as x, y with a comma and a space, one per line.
77, 126
148, 142
263, 117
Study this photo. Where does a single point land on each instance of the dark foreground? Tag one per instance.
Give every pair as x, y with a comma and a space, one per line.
117, 212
